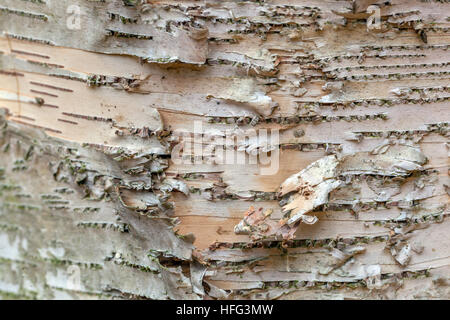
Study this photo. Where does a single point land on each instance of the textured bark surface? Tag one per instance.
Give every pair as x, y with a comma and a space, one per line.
91, 118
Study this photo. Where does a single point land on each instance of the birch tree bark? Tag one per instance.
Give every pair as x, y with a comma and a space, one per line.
271, 149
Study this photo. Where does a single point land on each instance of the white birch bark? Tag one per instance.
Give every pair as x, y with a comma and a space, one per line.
100, 98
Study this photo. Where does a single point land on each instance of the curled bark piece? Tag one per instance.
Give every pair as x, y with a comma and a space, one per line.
259, 227
310, 188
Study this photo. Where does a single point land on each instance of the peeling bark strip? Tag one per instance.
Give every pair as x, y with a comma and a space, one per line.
94, 93
51, 22
74, 215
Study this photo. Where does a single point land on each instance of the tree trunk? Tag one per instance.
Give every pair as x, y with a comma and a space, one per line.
224, 149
